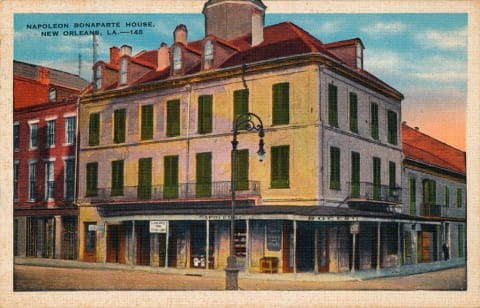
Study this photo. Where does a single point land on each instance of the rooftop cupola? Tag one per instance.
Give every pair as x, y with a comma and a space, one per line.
229, 19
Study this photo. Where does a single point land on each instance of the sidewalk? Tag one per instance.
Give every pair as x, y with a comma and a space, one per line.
348, 276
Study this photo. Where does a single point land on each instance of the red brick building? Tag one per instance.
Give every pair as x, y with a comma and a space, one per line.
44, 129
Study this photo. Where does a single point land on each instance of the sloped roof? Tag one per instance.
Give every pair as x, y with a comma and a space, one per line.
423, 148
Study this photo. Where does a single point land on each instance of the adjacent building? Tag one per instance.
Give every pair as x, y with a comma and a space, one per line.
44, 130
155, 141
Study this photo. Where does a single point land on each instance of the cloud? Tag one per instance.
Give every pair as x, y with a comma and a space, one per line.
330, 27
384, 28
453, 39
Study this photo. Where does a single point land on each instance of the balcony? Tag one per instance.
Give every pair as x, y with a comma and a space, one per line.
370, 191
432, 210
214, 190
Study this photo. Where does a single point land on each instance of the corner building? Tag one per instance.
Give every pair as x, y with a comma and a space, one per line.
156, 132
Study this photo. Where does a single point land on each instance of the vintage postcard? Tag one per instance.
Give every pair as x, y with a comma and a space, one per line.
156, 152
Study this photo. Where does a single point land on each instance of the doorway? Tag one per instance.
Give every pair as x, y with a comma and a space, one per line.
142, 240
323, 261
115, 244
305, 248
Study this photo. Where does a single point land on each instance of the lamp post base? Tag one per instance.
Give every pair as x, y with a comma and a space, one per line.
231, 274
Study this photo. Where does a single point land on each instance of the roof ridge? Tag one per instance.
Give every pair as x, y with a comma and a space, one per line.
301, 32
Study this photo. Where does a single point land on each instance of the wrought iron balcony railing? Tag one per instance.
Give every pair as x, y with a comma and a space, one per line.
371, 191
432, 210
178, 191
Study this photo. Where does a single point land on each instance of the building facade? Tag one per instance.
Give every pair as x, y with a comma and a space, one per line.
155, 152
45, 117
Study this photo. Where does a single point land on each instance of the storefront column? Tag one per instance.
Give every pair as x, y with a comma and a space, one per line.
105, 232
207, 223
167, 234
132, 251
378, 246
399, 255
294, 246
414, 243
247, 246
316, 250
354, 235
58, 237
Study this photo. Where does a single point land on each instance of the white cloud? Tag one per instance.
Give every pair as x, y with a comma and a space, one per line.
454, 39
382, 60
330, 27
384, 28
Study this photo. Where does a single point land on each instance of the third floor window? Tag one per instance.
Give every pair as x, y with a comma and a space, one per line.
374, 120
33, 135
119, 125
147, 122
205, 114
392, 127
281, 102
50, 133
94, 129
173, 118
332, 105
353, 112
70, 130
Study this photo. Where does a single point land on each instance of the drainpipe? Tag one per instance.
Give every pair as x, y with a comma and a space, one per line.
188, 88
77, 151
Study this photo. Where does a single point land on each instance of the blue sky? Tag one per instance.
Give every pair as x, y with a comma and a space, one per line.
424, 56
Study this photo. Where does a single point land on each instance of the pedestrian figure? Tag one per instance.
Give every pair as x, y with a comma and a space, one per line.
446, 252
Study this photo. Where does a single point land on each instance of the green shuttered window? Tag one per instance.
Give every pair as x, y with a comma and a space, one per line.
241, 175
240, 103
170, 186
119, 117
392, 127
392, 172
147, 122
94, 129
280, 166
205, 114
332, 105
447, 196
355, 180
173, 118
144, 189
204, 175
412, 186
460, 241
92, 179
374, 120
334, 168
377, 180
117, 178
353, 112
459, 198
281, 102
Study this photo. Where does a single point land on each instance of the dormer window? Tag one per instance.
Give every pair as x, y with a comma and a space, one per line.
359, 56
123, 71
97, 76
52, 94
208, 55
177, 60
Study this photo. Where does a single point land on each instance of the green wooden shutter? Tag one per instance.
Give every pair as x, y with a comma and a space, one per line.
374, 120
459, 198
144, 190
353, 112
240, 104
94, 129
92, 179
173, 118
447, 196
355, 180
460, 240
147, 122
170, 186
332, 105
413, 196
241, 178
392, 127
204, 175
205, 114
281, 109
280, 167
334, 168
117, 178
376, 178
119, 126
392, 172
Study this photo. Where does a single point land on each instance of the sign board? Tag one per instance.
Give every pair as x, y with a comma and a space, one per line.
158, 226
355, 228
96, 227
274, 236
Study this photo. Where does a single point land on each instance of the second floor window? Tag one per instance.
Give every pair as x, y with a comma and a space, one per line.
280, 167
429, 192
332, 105
15, 180
173, 118
50, 133
392, 127
240, 102
353, 112
281, 102
334, 168
32, 181
69, 178
355, 175
33, 135
16, 136
119, 125
205, 114
446, 196
170, 177
374, 120
117, 178
49, 180
147, 122
459, 198
241, 175
94, 129
144, 189
377, 178
413, 195
392, 172
203, 187
70, 130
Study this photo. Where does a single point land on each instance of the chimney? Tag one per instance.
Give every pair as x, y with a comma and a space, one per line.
257, 27
43, 75
163, 57
114, 55
180, 34
125, 50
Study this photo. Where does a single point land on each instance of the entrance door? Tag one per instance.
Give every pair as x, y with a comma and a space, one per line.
306, 248
142, 238
323, 257
69, 238
426, 246
90, 242
198, 242
115, 244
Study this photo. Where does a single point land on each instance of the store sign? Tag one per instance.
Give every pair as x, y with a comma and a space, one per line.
355, 228
158, 226
96, 227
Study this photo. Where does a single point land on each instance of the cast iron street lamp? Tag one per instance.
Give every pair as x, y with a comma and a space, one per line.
246, 122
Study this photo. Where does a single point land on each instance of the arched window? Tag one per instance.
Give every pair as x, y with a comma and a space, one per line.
208, 55
97, 76
52, 94
123, 71
177, 59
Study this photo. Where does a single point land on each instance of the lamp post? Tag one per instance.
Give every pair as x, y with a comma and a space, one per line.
246, 122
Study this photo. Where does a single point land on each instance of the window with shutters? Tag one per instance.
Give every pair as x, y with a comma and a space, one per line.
173, 118
119, 121
92, 179
50, 133
204, 175
240, 103
355, 175
170, 177
69, 178
144, 189
16, 165
16, 136
460, 241
353, 112
446, 196
49, 180
33, 135
392, 127
412, 187
374, 120
377, 180
32, 181
205, 114
281, 102
332, 105
241, 174
147, 122
392, 173
280, 166
459, 198
70, 130
94, 129
334, 168
117, 178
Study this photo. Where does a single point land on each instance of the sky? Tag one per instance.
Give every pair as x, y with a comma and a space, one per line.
424, 56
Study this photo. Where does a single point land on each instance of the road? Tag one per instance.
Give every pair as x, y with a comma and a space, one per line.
35, 278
